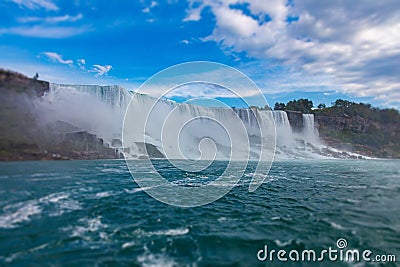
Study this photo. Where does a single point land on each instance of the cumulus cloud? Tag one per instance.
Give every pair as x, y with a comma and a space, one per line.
355, 43
233, 22
36, 4
57, 58
101, 70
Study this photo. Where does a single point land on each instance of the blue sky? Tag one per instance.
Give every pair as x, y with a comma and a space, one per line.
321, 50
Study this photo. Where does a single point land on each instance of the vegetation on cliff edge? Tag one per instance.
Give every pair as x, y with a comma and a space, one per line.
354, 126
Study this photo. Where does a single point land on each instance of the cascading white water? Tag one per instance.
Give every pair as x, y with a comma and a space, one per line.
187, 124
93, 108
309, 130
101, 110
283, 128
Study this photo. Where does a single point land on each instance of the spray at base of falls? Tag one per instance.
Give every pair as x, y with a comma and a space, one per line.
101, 109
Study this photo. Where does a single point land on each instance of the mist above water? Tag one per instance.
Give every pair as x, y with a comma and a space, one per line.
95, 109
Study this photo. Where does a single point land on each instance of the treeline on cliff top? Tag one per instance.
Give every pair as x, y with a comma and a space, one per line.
342, 108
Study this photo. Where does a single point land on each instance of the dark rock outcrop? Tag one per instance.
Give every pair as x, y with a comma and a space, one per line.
18, 83
295, 119
23, 136
149, 150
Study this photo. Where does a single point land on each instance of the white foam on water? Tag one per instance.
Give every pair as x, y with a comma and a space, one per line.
86, 228
354, 201
54, 198
128, 244
139, 189
334, 225
155, 260
62, 202
222, 219
15, 214
282, 243
104, 194
18, 213
16, 255
171, 232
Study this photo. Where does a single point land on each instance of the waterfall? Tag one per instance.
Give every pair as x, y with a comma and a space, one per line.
283, 128
309, 130
187, 124
101, 109
92, 108
281, 119
113, 95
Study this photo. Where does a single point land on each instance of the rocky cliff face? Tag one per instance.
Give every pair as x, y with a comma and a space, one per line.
295, 119
360, 135
23, 136
12, 82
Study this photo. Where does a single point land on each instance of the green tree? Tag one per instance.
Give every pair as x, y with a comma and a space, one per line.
279, 106
302, 105
342, 104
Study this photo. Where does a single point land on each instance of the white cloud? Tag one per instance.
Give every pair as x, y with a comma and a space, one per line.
355, 43
55, 19
193, 14
37, 4
57, 58
199, 90
146, 10
150, 7
44, 31
59, 74
186, 42
47, 27
101, 70
234, 22
81, 63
